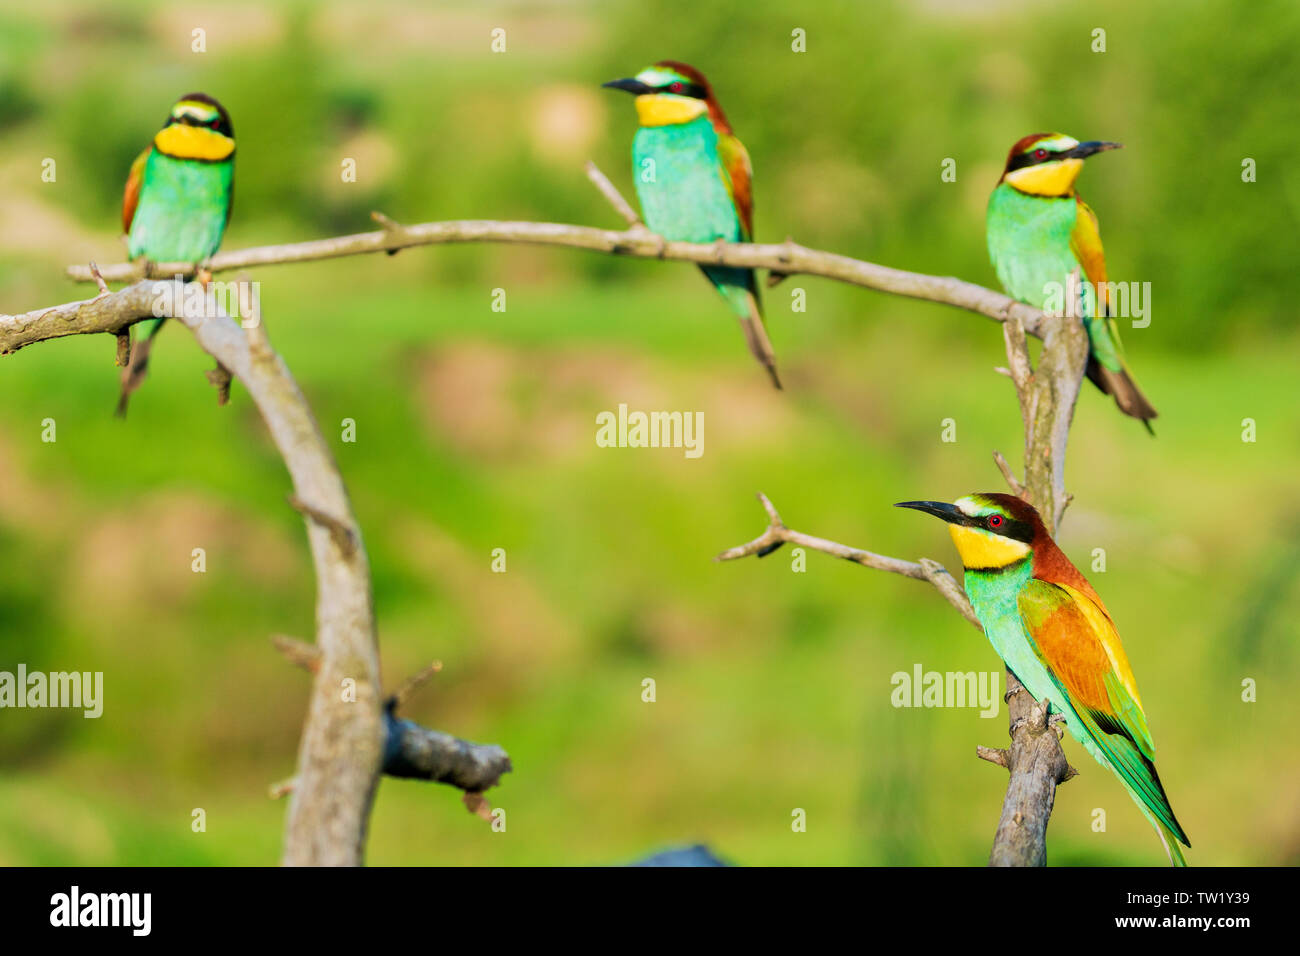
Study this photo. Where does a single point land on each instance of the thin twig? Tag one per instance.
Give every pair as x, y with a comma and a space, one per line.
344, 535
1017, 488
777, 534
413, 683
98, 277
389, 225
993, 755
282, 788
304, 655
611, 193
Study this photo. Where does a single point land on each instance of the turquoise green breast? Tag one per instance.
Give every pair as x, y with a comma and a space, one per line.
1029, 244
183, 208
995, 597
683, 197
679, 181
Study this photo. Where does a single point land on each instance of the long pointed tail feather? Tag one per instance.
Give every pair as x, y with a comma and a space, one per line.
760, 346
1138, 775
1120, 386
1167, 837
740, 288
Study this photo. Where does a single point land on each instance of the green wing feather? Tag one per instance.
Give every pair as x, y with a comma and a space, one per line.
1080, 649
738, 176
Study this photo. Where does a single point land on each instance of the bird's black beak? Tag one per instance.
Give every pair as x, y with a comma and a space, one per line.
1084, 150
629, 86
940, 509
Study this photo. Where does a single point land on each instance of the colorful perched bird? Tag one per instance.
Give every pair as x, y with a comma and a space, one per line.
1040, 230
178, 199
693, 178
1052, 631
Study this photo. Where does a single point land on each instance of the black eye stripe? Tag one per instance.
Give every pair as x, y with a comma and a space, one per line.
1010, 527
1031, 158
693, 90
185, 119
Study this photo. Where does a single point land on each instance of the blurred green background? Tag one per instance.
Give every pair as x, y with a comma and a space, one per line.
475, 429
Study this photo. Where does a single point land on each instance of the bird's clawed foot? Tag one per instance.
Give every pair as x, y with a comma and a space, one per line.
1056, 722
1037, 720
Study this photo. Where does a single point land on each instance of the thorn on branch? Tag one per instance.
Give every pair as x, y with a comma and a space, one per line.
99, 279
478, 805
345, 539
307, 656
390, 226
414, 683
994, 755
283, 788
775, 277
219, 378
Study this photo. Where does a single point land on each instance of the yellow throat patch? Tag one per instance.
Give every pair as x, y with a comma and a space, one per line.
193, 142
1048, 179
658, 109
980, 550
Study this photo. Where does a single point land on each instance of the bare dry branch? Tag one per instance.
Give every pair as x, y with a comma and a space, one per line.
1053, 392
1037, 765
417, 753
410, 750
341, 750
777, 534
1047, 398
783, 258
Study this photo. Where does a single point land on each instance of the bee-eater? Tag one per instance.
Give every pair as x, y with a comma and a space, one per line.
694, 180
178, 199
1039, 231
1053, 632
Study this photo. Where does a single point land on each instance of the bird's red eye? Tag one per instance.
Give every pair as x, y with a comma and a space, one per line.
1040, 153
995, 521
676, 87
